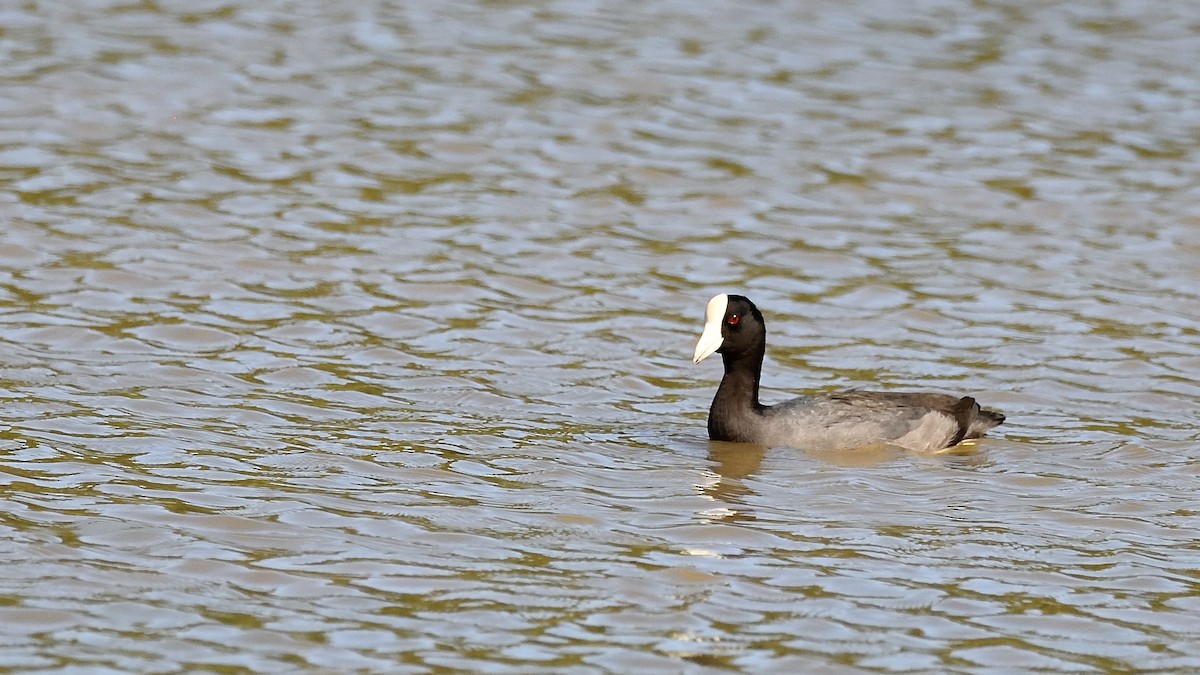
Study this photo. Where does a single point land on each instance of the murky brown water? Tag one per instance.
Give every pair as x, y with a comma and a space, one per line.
356, 336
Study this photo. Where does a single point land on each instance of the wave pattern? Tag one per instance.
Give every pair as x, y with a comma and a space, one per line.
357, 337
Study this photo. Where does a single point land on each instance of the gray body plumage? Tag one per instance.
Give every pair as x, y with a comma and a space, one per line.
855, 419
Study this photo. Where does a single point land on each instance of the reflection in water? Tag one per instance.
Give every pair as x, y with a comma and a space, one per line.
345, 336
867, 456
732, 463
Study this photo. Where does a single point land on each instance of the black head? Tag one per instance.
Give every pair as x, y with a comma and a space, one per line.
733, 327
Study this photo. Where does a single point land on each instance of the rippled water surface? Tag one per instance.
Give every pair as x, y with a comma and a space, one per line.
356, 336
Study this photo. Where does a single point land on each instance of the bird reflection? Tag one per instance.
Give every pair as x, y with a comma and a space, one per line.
732, 462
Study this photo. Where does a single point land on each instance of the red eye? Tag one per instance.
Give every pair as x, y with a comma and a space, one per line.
734, 319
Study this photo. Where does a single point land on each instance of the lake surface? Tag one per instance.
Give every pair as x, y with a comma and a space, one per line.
357, 336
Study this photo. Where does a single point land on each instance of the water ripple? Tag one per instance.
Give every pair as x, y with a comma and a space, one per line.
358, 338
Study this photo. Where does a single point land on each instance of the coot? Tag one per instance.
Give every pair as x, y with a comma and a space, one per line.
734, 327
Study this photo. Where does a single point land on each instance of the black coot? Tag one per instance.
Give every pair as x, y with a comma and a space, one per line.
734, 327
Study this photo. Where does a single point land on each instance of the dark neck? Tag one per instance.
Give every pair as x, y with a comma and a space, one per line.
737, 397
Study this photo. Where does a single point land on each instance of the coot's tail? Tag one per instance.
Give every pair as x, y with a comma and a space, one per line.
984, 420
972, 420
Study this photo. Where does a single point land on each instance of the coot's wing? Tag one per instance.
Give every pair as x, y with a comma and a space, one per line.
851, 419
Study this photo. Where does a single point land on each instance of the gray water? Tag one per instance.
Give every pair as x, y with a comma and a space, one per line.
356, 336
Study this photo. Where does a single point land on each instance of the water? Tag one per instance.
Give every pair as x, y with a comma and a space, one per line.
357, 337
